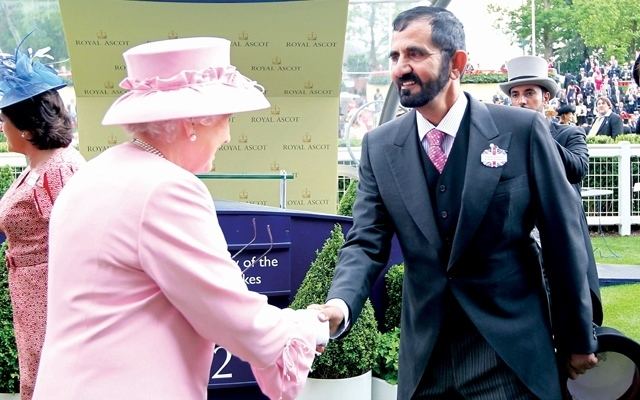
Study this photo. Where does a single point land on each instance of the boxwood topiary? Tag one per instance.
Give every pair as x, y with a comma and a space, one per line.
354, 354
393, 285
348, 198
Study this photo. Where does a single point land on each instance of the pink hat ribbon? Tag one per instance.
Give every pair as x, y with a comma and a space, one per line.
226, 75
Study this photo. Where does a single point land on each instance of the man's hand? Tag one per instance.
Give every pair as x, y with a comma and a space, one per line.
578, 364
331, 314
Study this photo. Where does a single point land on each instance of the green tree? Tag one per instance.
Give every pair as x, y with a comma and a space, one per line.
612, 25
570, 30
20, 17
553, 22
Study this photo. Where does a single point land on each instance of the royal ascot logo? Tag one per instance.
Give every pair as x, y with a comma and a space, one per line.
307, 200
109, 88
276, 66
276, 116
243, 41
312, 41
243, 195
306, 145
307, 90
172, 35
112, 140
243, 145
102, 39
275, 166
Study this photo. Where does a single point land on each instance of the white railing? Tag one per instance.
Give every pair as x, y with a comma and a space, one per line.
614, 167
614, 171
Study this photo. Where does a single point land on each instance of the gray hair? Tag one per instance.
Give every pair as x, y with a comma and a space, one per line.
165, 130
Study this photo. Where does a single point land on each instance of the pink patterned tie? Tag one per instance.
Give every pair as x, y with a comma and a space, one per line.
435, 152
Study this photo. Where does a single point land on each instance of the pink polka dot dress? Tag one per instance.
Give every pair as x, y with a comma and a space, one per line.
24, 219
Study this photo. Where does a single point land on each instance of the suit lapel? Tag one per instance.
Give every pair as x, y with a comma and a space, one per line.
480, 181
404, 161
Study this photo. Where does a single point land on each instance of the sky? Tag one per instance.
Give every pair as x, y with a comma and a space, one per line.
487, 46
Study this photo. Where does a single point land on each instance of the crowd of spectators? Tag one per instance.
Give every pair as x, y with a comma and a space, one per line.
580, 91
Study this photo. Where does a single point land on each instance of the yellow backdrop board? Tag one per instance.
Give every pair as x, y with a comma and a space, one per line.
293, 48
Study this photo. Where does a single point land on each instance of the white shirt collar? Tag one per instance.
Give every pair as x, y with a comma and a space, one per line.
449, 124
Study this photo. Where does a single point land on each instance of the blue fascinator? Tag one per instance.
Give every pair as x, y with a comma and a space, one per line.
22, 76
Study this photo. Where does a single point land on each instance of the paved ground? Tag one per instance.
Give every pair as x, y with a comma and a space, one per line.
614, 274
4, 396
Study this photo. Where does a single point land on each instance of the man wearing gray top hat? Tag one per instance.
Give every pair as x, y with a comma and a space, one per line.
528, 86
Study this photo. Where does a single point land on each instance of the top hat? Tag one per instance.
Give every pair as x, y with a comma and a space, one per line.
566, 109
22, 76
182, 78
528, 70
616, 376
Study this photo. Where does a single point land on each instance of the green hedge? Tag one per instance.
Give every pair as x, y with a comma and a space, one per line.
603, 139
6, 178
9, 374
484, 78
380, 79
387, 361
393, 285
354, 354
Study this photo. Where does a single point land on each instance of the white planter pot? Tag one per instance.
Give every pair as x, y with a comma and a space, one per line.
356, 388
381, 390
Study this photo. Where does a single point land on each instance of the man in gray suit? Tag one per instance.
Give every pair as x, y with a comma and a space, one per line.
461, 184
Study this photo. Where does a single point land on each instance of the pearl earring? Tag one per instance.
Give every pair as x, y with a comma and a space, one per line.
193, 137
22, 135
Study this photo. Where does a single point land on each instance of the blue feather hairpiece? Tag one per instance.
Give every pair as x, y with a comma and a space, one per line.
22, 76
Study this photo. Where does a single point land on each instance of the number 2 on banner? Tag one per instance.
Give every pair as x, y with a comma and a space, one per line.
218, 374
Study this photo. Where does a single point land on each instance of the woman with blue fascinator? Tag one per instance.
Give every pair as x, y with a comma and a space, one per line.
36, 124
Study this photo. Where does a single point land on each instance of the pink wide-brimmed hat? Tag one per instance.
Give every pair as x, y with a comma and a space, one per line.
182, 78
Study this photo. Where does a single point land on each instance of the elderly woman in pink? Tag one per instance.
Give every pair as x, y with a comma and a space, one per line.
141, 285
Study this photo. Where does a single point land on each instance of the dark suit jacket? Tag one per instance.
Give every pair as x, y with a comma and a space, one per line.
493, 271
571, 144
611, 126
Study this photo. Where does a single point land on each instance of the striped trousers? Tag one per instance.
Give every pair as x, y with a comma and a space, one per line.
464, 366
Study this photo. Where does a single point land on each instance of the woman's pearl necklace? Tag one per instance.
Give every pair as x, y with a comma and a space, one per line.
147, 147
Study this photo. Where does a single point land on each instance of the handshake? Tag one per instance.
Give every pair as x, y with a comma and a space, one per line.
330, 318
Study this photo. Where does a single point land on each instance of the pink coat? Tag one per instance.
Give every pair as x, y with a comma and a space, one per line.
141, 287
